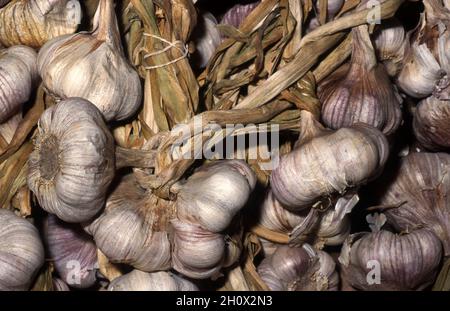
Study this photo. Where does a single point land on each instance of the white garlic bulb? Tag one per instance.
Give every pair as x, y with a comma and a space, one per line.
18, 76
21, 252
206, 38
72, 163
34, 22
93, 66
299, 269
157, 281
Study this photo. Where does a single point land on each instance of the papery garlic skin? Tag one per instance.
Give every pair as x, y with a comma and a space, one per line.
432, 124
214, 194
334, 6
21, 252
34, 22
72, 251
360, 92
420, 195
8, 129
404, 262
18, 76
60, 286
329, 163
72, 163
206, 38
132, 230
157, 281
92, 65
299, 269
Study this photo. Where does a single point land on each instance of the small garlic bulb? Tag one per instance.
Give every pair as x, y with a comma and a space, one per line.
21, 252
360, 92
327, 163
238, 13
432, 123
73, 252
299, 269
334, 6
387, 261
420, 195
157, 281
133, 228
34, 22
427, 63
72, 163
92, 65
206, 38
18, 75
390, 43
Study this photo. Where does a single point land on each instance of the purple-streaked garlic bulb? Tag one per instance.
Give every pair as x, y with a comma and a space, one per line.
432, 124
361, 91
157, 281
419, 195
72, 251
325, 163
238, 13
3, 2
206, 38
21, 252
333, 8
386, 261
72, 163
18, 77
299, 269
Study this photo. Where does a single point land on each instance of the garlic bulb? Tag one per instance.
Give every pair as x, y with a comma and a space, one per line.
420, 193
206, 38
360, 91
21, 252
73, 252
92, 65
18, 75
387, 261
238, 13
427, 63
72, 164
333, 8
390, 43
133, 228
299, 269
34, 22
432, 123
328, 163
60, 286
157, 281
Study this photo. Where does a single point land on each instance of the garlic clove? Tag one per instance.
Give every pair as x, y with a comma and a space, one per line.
72, 163
21, 252
157, 281
432, 124
386, 261
92, 65
18, 76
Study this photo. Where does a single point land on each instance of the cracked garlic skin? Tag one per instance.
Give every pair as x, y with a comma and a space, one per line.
34, 22
93, 66
157, 281
72, 251
388, 261
432, 124
328, 163
420, 195
21, 252
299, 269
72, 163
18, 76
133, 228
361, 91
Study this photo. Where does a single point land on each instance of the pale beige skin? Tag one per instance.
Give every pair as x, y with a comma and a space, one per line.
72, 163
34, 22
21, 252
18, 76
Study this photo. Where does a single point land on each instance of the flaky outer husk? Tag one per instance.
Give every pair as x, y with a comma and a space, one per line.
432, 124
404, 262
133, 228
21, 252
34, 22
73, 161
328, 164
421, 190
157, 281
